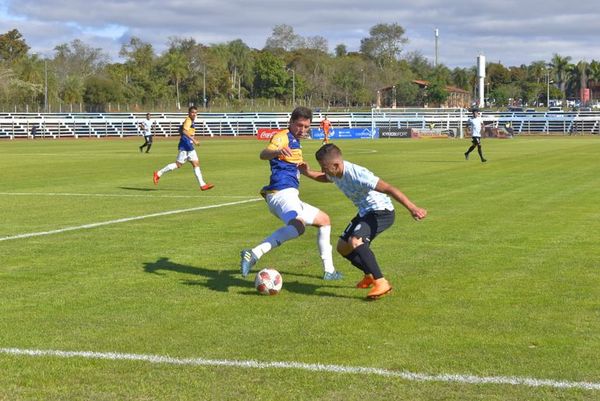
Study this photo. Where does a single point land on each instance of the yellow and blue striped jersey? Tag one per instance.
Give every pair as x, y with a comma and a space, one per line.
284, 169
185, 142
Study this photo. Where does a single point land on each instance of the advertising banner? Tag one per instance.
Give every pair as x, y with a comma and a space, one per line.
346, 133
395, 132
265, 134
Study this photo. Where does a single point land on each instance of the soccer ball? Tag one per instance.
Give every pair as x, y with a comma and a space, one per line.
268, 282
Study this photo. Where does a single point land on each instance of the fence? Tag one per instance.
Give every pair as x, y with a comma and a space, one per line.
100, 125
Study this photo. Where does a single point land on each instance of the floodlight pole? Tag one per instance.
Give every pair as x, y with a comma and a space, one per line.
204, 85
437, 35
547, 88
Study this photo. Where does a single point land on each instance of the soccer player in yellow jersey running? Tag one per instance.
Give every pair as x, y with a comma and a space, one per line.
186, 151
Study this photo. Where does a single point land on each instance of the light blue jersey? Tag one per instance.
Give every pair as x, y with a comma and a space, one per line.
358, 184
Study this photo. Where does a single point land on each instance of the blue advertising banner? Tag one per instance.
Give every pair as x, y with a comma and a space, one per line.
346, 133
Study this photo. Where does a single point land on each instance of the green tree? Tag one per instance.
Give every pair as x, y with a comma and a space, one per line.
12, 46
385, 43
270, 79
177, 66
341, 50
560, 67
436, 93
283, 37
99, 91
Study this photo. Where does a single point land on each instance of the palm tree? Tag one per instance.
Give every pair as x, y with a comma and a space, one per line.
594, 75
537, 71
560, 67
176, 65
580, 74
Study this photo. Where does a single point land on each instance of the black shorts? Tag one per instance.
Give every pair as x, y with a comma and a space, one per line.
148, 138
369, 226
476, 140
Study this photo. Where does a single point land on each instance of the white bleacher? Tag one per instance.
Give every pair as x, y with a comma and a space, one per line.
101, 125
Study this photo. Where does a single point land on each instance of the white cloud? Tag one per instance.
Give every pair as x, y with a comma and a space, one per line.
514, 32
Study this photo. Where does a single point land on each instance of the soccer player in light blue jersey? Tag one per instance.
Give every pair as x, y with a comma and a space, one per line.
371, 195
476, 124
146, 127
284, 154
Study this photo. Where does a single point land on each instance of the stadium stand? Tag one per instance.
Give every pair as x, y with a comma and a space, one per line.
99, 125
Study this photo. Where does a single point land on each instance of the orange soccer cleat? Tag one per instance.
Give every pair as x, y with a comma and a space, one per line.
380, 288
155, 178
206, 187
366, 282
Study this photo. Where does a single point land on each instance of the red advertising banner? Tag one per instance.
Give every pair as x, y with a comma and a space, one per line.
265, 134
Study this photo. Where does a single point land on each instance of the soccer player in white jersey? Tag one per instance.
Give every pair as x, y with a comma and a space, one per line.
476, 124
186, 151
284, 154
375, 212
146, 127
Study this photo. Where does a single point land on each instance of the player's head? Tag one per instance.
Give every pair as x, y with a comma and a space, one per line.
300, 121
192, 111
330, 159
147, 116
475, 112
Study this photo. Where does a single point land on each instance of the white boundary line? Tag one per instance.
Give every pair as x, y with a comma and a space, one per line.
124, 220
117, 195
357, 370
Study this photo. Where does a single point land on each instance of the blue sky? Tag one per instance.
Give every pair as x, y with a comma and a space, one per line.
512, 32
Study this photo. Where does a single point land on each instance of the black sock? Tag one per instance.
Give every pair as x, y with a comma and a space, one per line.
149, 146
470, 150
480, 152
369, 262
354, 258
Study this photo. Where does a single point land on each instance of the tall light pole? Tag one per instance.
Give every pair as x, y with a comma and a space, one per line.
394, 97
547, 88
293, 85
204, 85
437, 35
45, 86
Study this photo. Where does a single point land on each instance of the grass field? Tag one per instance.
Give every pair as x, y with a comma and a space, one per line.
501, 283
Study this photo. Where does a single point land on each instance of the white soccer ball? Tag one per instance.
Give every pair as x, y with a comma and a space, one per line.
268, 282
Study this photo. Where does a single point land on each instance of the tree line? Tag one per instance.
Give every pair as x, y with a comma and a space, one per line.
290, 68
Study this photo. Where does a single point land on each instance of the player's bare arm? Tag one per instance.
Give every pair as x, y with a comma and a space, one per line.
388, 189
268, 154
315, 175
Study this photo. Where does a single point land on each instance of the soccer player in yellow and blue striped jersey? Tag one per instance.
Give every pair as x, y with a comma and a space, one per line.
284, 154
186, 151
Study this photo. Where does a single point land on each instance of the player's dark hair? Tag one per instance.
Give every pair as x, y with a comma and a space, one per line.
328, 151
301, 112
192, 108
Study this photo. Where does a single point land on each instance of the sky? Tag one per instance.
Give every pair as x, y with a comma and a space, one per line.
509, 31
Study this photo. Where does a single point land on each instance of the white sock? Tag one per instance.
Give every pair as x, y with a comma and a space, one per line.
198, 174
274, 240
167, 168
325, 248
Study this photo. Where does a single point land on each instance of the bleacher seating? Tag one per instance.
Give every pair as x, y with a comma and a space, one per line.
99, 125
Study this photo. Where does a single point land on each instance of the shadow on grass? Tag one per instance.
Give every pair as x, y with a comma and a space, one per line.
222, 280
139, 189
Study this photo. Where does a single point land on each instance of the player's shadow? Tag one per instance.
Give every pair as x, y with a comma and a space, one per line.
222, 280
138, 189
216, 280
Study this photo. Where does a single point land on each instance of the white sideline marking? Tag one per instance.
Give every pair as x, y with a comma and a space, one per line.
124, 220
357, 370
117, 195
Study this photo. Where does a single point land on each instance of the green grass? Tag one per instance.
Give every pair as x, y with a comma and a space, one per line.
501, 279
